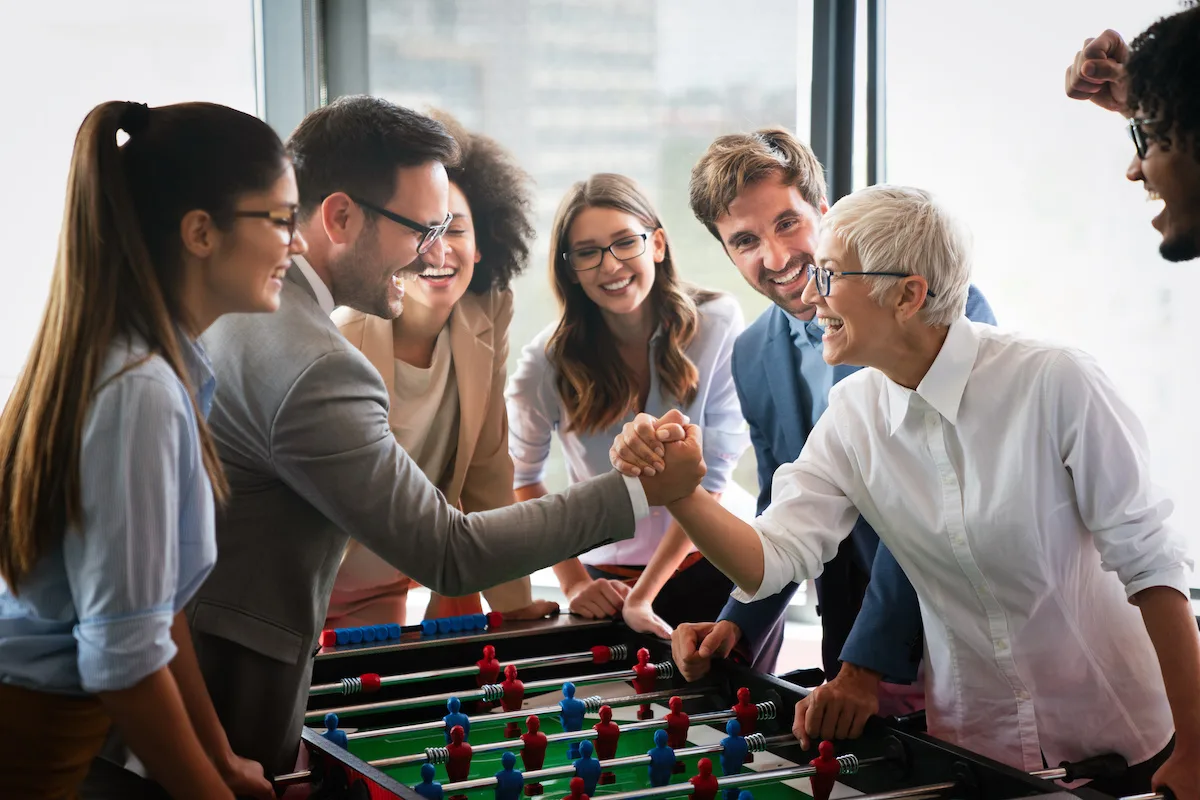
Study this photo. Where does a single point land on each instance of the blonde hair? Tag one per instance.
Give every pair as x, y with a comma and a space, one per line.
738, 160
903, 229
593, 382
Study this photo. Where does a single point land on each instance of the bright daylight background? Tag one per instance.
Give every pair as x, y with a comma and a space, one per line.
975, 111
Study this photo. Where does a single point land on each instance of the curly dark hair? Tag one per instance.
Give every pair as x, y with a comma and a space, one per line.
500, 194
1163, 69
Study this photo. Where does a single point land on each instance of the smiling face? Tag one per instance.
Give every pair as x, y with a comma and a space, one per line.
439, 288
1171, 173
856, 326
245, 272
369, 276
618, 287
771, 234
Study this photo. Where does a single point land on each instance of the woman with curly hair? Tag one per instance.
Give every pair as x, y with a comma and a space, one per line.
444, 363
631, 337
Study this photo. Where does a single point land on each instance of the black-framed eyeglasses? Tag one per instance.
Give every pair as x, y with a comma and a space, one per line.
824, 278
1141, 140
429, 235
584, 258
283, 217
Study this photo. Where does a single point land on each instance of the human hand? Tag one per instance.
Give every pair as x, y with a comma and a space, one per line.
1180, 774
838, 709
685, 469
597, 599
639, 447
1098, 72
535, 610
245, 777
639, 616
695, 644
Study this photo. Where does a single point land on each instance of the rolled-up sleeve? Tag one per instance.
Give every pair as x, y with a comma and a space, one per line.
122, 562
533, 413
725, 433
809, 514
1103, 444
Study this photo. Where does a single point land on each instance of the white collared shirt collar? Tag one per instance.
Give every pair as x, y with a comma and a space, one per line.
944, 383
324, 296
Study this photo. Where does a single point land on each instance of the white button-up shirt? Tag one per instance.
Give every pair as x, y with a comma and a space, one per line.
1013, 488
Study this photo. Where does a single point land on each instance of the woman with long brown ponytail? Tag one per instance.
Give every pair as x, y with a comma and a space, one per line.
631, 337
107, 468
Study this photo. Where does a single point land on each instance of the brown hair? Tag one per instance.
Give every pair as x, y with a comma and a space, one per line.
593, 383
500, 195
355, 145
118, 272
738, 160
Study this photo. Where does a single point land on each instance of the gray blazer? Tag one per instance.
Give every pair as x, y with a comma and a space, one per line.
301, 421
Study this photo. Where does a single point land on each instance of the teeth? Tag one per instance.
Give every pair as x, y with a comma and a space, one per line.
443, 272
1153, 195
788, 277
612, 287
830, 323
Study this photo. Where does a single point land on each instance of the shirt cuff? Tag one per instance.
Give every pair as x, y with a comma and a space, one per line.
1174, 576
774, 577
637, 496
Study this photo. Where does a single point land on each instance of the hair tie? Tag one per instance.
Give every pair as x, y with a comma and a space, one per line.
135, 118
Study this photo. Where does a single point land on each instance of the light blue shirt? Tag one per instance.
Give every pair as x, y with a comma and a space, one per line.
814, 372
536, 412
95, 613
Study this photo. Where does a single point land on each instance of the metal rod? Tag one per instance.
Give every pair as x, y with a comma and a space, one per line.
749, 779
491, 692
507, 716
455, 672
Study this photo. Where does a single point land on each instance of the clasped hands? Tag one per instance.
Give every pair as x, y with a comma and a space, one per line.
666, 454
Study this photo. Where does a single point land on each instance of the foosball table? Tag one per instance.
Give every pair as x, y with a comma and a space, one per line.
573, 708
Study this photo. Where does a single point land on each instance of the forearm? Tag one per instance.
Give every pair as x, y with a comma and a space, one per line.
153, 720
674, 546
508, 596
570, 573
730, 544
1172, 629
192, 689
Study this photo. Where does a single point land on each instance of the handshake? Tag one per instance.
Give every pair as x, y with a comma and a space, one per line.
665, 454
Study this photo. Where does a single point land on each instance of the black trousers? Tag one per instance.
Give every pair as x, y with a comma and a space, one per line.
697, 594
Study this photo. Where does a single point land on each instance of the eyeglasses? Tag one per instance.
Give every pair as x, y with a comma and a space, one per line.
1141, 141
428, 235
623, 249
824, 278
283, 217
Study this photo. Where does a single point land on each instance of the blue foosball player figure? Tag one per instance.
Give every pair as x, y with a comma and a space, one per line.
509, 782
456, 717
571, 717
428, 787
745, 795
733, 754
588, 767
333, 734
662, 760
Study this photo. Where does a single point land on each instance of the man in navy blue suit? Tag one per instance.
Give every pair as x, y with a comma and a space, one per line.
762, 196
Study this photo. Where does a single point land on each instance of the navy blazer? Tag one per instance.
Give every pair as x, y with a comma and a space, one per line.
777, 404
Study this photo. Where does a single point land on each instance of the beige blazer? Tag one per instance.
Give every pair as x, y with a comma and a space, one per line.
480, 474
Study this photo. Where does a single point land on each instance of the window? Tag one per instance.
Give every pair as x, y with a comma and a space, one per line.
575, 87
1064, 249
65, 57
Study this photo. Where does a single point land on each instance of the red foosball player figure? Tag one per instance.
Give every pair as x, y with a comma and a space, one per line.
489, 672
745, 711
458, 764
576, 790
533, 754
514, 696
607, 734
643, 682
677, 729
704, 783
827, 769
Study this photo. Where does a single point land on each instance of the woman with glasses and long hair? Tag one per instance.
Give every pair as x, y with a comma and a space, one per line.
444, 361
109, 471
631, 337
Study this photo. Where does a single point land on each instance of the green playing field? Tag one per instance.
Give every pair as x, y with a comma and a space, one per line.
487, 764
